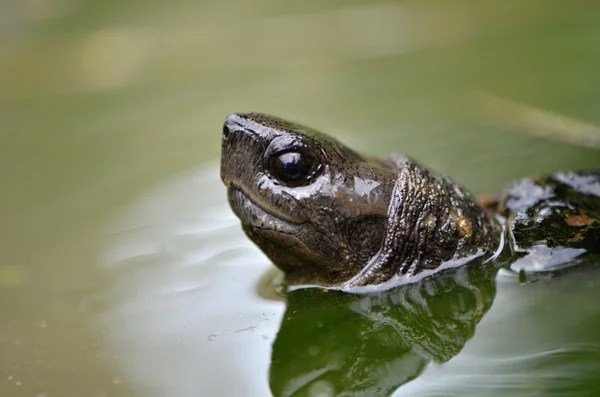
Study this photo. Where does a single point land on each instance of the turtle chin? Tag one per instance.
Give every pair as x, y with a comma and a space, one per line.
287, 244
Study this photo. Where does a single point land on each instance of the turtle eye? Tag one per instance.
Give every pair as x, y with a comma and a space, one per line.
293, 168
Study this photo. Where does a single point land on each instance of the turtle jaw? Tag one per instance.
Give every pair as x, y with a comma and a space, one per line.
252, 214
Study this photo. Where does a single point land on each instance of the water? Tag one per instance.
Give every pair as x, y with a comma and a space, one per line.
122, 270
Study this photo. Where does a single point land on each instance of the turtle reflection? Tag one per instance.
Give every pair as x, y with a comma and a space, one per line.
336, 344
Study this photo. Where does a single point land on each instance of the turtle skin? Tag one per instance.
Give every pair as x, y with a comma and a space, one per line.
552, 221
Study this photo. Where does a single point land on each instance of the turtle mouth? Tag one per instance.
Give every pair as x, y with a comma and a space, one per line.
256, 214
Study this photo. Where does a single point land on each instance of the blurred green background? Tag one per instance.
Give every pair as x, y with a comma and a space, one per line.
102, 101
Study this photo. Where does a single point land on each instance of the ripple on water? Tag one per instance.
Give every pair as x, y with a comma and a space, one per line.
537, 339
185, 316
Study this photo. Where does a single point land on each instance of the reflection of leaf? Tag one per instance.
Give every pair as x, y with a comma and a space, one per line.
371, 344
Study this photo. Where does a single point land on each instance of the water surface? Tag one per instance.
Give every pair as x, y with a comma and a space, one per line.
122, 270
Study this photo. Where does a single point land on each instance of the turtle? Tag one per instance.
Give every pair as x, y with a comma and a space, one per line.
328, 216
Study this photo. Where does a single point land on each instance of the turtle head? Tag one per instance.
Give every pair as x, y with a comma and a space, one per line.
315, 207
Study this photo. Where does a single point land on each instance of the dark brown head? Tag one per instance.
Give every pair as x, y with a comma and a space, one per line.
315, 207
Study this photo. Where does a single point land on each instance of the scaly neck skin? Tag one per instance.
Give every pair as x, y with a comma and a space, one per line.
430, 220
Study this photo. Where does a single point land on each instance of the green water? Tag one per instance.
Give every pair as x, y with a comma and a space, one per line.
123, 271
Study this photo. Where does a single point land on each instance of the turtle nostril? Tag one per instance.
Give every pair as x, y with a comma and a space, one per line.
225, 131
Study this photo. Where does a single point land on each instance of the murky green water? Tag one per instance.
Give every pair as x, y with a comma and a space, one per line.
123, 271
